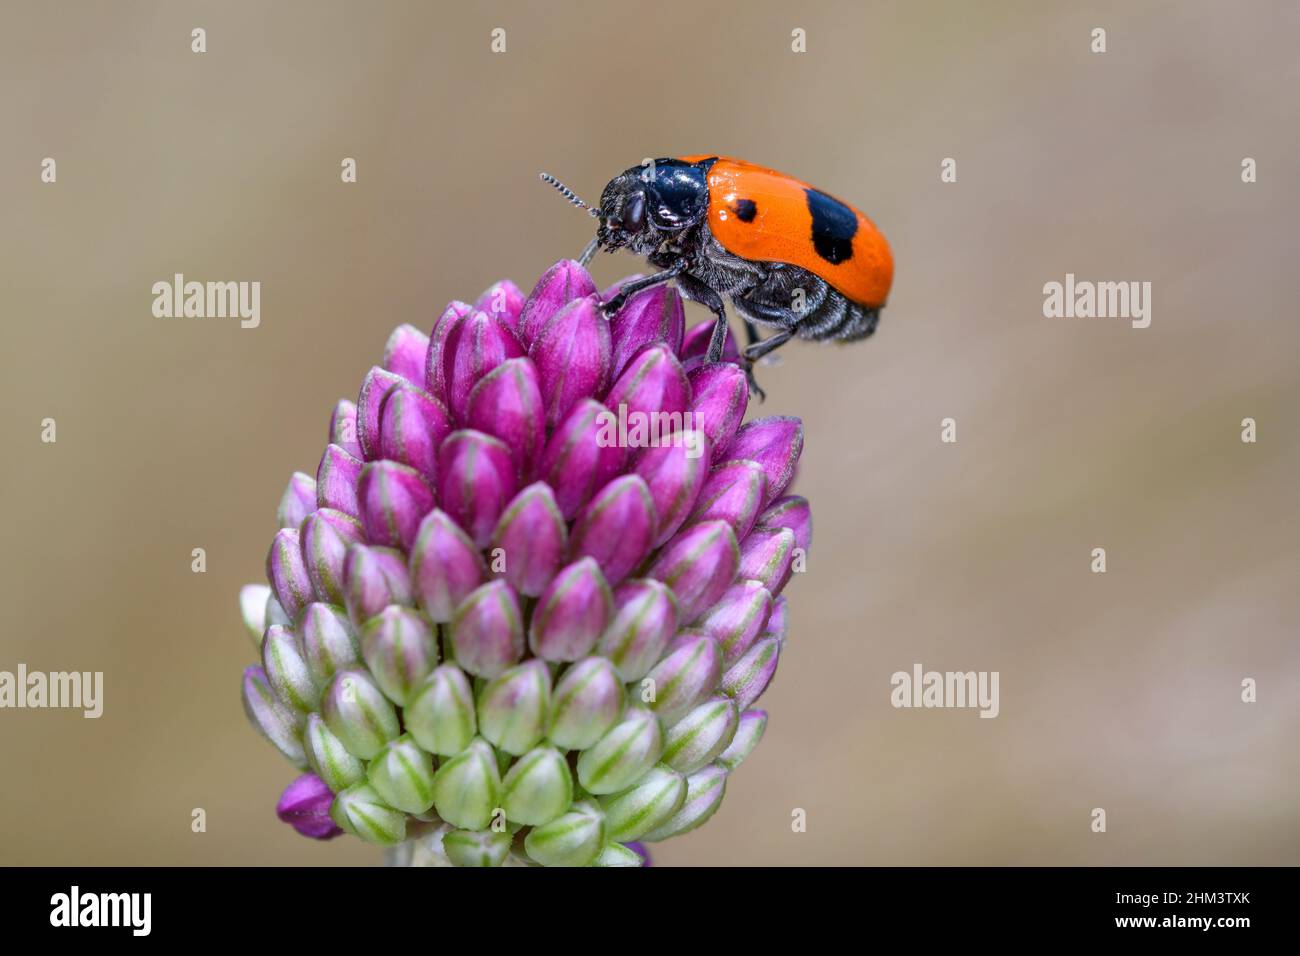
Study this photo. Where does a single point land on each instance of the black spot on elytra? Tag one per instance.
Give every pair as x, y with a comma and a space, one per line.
746, 210
833, 227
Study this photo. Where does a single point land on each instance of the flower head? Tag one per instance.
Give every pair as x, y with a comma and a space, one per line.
524, 610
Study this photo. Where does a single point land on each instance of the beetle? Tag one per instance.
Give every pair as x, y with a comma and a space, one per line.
789, 256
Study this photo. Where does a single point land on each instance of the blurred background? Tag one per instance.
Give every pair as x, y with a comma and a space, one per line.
1118, 690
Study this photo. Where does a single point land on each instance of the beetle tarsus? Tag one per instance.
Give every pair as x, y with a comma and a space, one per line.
754, 388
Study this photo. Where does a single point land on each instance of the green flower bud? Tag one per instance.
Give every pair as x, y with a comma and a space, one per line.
287, 671
749, 731
746, 679
328, 644
279, 724
329, 758
616, 854
512, 708
476, 847
275, 614
618, 759
704, 792
686, 677
252, 608
361, 812
586, 703
538, 788
358, 713
701, 735
467, 788
574, 839
400, 650
649, 804
441, 714
402, 775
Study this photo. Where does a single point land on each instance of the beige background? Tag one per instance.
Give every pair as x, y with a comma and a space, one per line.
1118, 691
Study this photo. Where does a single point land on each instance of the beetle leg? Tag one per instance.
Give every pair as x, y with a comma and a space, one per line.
637, 285
756, 350
718, 340
707, 296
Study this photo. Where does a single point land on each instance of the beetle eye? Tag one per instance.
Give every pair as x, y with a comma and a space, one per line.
634, 212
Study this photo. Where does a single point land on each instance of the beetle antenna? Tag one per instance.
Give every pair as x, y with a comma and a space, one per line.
569, 194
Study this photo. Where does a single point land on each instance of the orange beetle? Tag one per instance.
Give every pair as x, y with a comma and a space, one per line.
789, 256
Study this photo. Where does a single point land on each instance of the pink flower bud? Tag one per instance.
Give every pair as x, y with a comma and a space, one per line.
343, 428
572, 357
374, 578
732, 493
778, 622
405, 353
507, 404
575, 463
476, 479
720, 395
504, 301
791, 512
412, 426
558, 286
699, 564
445, 566
775, 443
475, 346
487, 631
675, 479
654, 389
766, 556
532, 538
651, 315
394, 500
298, 501
336, 481
738, 618
571, 613
373, 391
645, 619
325, 537
617, 528
287, 574
305, 805
435, 371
